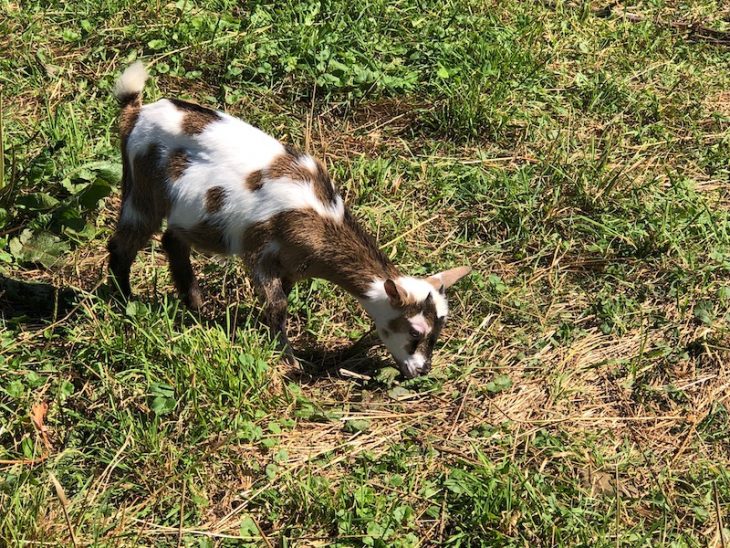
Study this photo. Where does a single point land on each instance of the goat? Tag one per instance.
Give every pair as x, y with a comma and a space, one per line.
228, 188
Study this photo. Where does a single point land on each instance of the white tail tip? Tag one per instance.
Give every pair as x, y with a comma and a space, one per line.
131, 82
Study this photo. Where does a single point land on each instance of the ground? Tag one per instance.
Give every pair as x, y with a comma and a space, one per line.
576, 154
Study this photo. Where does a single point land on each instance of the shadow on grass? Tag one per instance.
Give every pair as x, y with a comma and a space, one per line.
356, 359
34, 303
318, 362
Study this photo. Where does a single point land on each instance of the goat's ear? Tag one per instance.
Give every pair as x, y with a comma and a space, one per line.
443, 280
396, 294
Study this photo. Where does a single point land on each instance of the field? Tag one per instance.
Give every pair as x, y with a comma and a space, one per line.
576, 154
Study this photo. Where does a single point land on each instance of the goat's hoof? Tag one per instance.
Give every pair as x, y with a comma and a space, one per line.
290, 360
193, 301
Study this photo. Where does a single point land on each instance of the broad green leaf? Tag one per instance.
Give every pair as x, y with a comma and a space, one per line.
157, 44
90, 196
15, 389
37, 201
248, 528
400, 393
498, 384
162, 405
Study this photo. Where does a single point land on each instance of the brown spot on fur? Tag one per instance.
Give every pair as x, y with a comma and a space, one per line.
128, 116
129, 99
289, 166
204, 236
427, 308
399, 324
323, 187
148, 194
177, 163
312, 246
214, 199
196, 118
255, 180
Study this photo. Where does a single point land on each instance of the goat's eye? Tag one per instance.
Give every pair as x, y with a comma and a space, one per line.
415, 334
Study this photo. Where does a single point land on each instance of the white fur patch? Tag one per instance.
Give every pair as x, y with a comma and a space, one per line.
280, 195
378, 306
410, 364
414, 364
307, 162
418, 290
158, 123
131, 81
419, 323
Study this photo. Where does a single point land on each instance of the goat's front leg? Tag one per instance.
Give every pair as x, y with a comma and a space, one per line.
273, 291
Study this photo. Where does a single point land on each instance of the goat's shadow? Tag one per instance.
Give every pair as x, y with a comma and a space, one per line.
34, 304
354, 360
316, 361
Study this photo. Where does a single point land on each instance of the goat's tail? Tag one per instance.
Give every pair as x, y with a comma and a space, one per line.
128, 89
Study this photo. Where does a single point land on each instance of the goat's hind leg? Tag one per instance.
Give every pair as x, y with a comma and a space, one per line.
144, 204
123, 247
132, 234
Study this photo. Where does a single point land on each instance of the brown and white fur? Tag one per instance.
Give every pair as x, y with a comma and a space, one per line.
226, 187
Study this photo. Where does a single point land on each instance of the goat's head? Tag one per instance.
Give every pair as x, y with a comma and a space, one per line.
409, 314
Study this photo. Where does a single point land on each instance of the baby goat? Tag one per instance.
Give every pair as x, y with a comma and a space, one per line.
226, 187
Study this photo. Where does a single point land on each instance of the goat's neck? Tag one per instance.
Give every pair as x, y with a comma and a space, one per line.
352, 260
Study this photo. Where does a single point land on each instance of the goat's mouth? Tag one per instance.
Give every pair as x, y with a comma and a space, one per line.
408, 374
412, 372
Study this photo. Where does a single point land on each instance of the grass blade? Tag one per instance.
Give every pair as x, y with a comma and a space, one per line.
2, 146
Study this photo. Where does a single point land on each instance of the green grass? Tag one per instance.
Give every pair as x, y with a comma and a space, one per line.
578, 161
